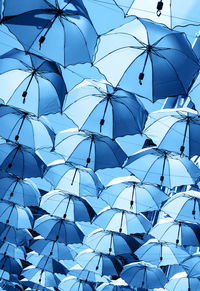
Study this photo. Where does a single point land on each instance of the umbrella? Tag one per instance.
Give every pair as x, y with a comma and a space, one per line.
176, 232
184, 206
71, 283
10, 264
17, 190
65, 205
12, 157
161, 254
16, 252
114, 285
122, 221
19, 237
15, 215
40, 276
104, 109
76, 179
99, 263
54, 249
128, 193
36, 82
143, 275
46, 263
111, 242
181, 281
43, 21
35, 286
162, 167
88, 149
175, 130
88, 276
58, 229
133, 55
192, 265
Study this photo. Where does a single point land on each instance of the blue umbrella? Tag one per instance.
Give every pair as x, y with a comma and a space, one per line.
176, 232
184, 206
128, 193
17, 190
34, 286
181, 281
192, 265
58, 229
54, 249
140, 48
161, 254
88, 149
15, 215
143, 275
122, 221
24, 128
10, 264
104, 109
76, 179
19, 237
43, 21
88, 276
10, 286
16, 252
99, 263
162, 167
36, 82
65, 205
109, 242
175, 130
117, 285
71, 283
12, 157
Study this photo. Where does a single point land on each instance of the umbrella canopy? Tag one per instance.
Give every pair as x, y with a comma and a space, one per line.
122, 221
117, 285
76, 179
19, 237
43, 21
17, 190
53, 249
162, 167
11, 250
141, 48
71, 283
58, 229
12, 157
169, 230
86, 275
10, 265
182, 281
34, 286
88, 149
109, 242
66, 205
104, 109
184, 206
99, 263
15, 215
161, 254
36, 82
192, 265
175, 130
128, 193
143, 275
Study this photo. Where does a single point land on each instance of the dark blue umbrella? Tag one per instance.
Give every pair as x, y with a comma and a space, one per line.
104, 109
43, 21
17, 190
78, 180
20, 160
10, 265
19, 237
88, 149
36, 82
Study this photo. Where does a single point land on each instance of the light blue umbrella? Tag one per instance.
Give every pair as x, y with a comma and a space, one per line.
192, 265
34, 286
35, 82
162, 167
44, 21
19, 237
88, 149
122, 221
88, 276
176, 232
114, 285
143, 275
76, 179
175, 130
181, 281
128, 193
11, 250
104, 109
109, 242
10, 265
133, 55
160, 253
71, 283
184, 206
20, 191
67, 206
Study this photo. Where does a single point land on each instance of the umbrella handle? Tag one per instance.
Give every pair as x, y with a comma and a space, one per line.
159, 8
